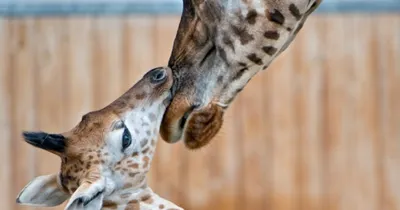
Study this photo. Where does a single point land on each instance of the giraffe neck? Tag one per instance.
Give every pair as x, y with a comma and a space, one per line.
140, 199
237, 39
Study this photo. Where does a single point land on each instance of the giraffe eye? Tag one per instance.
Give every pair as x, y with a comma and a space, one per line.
126, 139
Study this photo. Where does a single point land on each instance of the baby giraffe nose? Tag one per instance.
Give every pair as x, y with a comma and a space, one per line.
158, 75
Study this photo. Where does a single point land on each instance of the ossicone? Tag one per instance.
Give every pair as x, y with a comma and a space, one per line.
54, 143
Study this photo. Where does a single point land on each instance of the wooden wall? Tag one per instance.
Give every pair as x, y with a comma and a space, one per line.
320, 129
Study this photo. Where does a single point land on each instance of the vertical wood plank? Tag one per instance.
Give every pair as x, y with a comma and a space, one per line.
366, 114
339, 112
107, 60
307, 98
5, 119
253, 145
49, 54
285, 165
138, 47
268, 133
23, 111
388, 29
226, 159
78, 72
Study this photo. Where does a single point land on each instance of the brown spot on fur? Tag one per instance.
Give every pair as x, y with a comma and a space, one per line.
146, 150
133, 205
135, 154
144, 142
295, 11
152, 117
242, 64
128, 185
134, 166
251, 16
147, 199
274, 35
220, 78
131, 174
161, 206
228, 42
125, 195
88, 165
96, 162
255, 59
270, 50
222, 53
141, 96
146, 161
275, 16
148, 132
240, 73
110, 205
244, 36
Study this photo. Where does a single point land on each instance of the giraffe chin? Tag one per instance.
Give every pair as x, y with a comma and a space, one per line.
202, 126
196, 127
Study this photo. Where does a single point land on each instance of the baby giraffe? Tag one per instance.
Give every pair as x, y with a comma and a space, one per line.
105, 158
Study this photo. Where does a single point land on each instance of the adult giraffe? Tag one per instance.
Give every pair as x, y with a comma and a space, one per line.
220, 45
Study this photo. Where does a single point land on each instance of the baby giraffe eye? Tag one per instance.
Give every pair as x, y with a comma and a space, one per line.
126, 139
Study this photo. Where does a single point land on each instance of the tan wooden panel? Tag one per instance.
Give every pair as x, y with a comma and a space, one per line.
138, 48
78, 73
285, 140
338, 119
308, 112
318, 130
255, 168
5, 118
389, 102
364, 153
23, 111
226, 159
107, 60
268, 147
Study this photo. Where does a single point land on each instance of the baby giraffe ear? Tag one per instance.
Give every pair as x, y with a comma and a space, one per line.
89, 195
43, 191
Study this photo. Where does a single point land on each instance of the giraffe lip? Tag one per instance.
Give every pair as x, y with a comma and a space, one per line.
184, 118
168, 100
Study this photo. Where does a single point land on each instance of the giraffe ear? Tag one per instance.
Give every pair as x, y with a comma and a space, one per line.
89, 195
43, 191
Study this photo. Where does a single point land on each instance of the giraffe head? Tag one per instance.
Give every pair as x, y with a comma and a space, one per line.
106, 156
219, 46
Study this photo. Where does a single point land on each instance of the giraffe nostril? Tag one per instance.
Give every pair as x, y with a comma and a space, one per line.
158, 75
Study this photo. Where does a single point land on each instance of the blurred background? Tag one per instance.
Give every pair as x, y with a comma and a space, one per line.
319, 130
